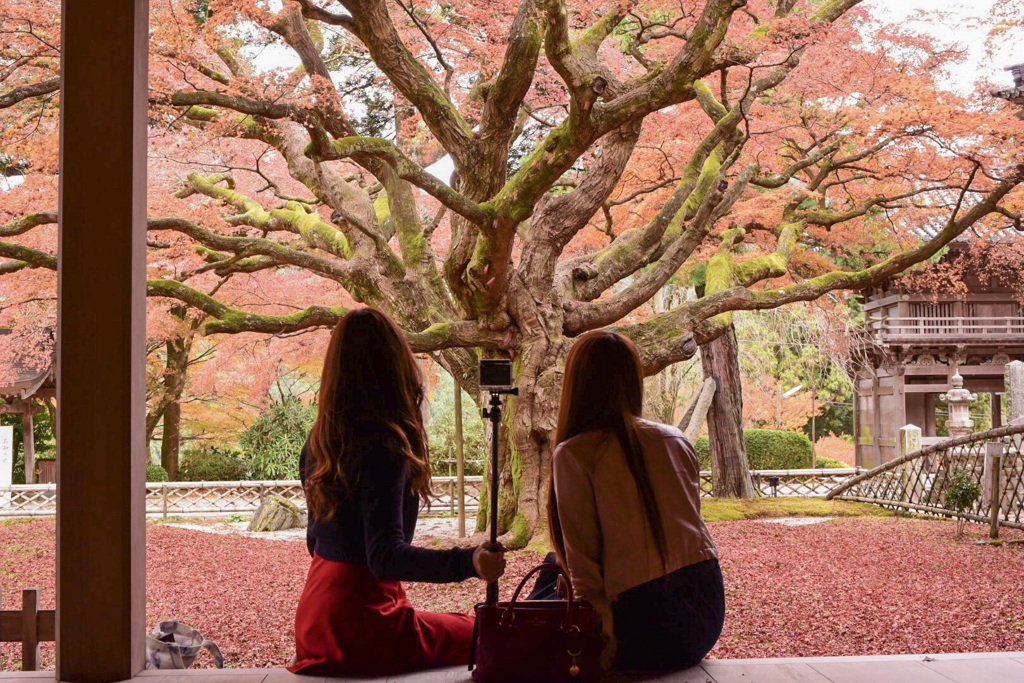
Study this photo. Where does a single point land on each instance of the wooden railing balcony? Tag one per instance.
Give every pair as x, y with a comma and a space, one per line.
947, 329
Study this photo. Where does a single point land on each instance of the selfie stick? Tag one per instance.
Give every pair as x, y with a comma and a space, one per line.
494, 414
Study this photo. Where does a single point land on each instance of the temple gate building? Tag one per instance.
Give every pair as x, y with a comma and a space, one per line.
912, 345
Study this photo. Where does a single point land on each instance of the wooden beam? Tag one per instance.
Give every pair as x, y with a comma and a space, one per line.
101, 373
937, 388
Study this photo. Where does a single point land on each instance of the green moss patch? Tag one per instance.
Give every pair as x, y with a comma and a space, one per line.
732, 510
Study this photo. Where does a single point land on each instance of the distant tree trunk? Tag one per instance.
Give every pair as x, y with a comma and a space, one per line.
171, 442
730, 472
175, 374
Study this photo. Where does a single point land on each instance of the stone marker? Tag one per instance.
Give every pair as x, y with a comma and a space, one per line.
910, 440
1013, 377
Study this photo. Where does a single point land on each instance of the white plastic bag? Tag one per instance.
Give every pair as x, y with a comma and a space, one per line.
173, 645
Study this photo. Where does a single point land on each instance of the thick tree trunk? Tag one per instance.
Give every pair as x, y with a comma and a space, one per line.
171, 442
175, 374
526, 442
730, 472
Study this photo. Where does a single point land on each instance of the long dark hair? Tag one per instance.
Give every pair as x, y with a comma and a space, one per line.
370, 381
603, 390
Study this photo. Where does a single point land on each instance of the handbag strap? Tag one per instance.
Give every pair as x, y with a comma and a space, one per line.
212, 648
176, 659
508, 615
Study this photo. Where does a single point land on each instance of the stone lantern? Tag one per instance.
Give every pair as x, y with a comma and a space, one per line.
959, 422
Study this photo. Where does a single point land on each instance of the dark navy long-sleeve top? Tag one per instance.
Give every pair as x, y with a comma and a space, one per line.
375, 522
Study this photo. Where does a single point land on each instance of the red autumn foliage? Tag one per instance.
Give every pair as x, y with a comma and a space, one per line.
855, 586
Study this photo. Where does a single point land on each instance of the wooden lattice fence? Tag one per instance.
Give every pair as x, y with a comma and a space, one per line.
240, 497
218, 497
920, 481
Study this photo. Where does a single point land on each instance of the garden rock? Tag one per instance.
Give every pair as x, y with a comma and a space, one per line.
277, 513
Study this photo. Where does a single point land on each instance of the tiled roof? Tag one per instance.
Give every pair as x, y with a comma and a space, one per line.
29, 379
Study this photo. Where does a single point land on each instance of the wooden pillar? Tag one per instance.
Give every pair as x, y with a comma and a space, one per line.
876, 415
899, 396
997, 410
929, 415
101, 372
858, 459
28, 440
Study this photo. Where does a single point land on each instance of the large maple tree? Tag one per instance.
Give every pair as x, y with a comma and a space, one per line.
770, 151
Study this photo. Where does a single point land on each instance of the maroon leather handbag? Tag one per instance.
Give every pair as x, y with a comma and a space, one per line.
537, 640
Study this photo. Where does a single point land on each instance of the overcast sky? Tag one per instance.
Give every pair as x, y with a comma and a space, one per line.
968, 27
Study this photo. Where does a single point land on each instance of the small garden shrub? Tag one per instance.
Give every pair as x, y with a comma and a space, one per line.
441, 431
962, 495
825, 463
210, 464
767, 449
273, 442
156, 473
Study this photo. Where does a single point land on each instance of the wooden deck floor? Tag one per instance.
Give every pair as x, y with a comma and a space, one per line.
941, 668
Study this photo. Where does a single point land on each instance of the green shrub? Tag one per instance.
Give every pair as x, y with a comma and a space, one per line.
767, 449
156, 473
962, 495
210, 464
441, 431
273, 442
825, 463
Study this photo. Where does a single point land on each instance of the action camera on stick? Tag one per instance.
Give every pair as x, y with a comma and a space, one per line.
495, 374
496, 379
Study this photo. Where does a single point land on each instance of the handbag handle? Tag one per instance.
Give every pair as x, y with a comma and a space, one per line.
508, 616
211, 647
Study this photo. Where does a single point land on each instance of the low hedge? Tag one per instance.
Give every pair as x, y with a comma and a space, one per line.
767, 449
826, 463
211, 464
156, 473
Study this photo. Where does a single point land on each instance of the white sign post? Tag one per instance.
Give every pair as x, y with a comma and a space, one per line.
6, 462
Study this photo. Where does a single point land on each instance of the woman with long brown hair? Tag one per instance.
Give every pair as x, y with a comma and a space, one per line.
364, 469
624, 514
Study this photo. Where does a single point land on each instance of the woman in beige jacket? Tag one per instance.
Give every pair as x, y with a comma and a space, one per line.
624, 515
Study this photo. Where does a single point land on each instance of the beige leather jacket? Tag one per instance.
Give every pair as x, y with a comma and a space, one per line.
609, 547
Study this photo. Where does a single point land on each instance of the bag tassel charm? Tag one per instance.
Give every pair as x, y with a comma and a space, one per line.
574, 669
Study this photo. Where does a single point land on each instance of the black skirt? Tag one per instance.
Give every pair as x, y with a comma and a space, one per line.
666, 624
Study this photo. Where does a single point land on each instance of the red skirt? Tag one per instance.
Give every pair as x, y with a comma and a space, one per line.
350, 623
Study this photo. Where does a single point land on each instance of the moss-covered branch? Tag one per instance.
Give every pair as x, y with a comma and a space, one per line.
227, 320
32, 258
244, 247
360, 149
292, 217
682, 322
243, 105
13, 267
637, 247
27, 222
582, 316
505, 94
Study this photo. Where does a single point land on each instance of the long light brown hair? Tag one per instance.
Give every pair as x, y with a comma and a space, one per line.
603, 390
370, 381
